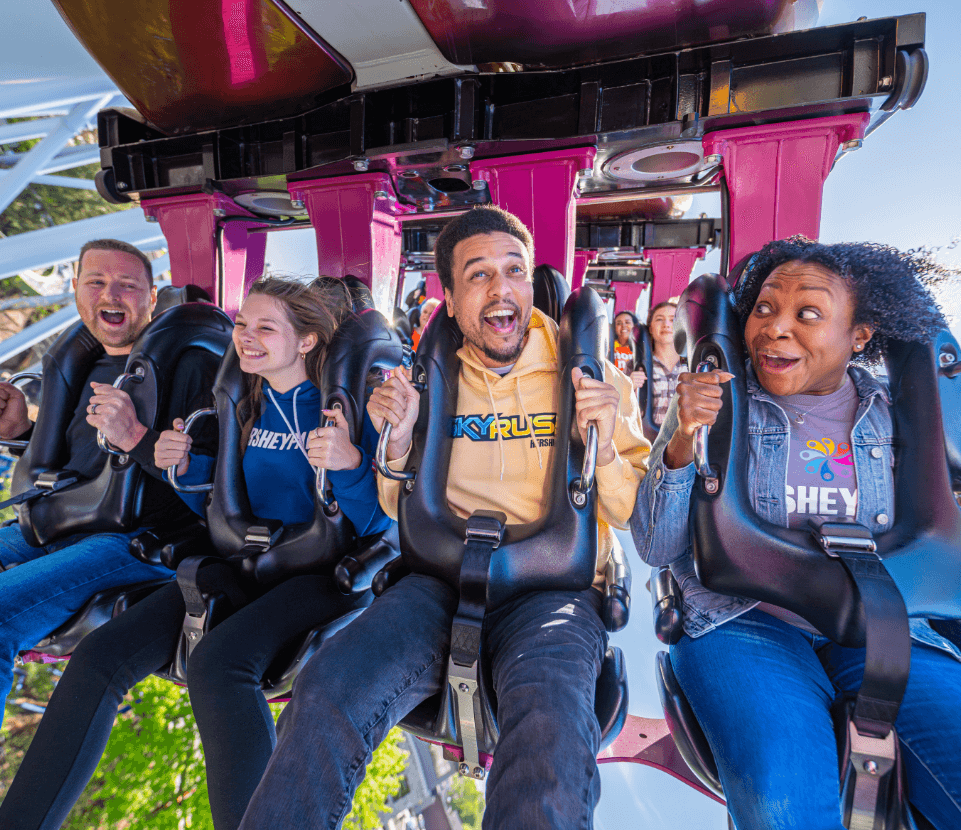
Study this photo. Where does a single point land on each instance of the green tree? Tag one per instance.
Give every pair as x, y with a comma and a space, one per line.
467, 801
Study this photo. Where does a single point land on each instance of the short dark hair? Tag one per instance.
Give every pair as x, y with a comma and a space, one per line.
891, 289
650, 314
117, 245
479, 220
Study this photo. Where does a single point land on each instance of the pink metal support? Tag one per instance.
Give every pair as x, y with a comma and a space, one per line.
358, 230
775, 176
189, 224
672, 270
539, 189
649, 742
432, 286
626, 295
581, 260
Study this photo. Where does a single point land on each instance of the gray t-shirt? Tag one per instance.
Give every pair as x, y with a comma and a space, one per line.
820, 473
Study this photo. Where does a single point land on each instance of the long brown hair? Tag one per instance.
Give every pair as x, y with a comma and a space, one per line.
318, 307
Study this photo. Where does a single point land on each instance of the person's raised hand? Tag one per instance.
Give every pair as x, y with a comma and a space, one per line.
698, 402
112, 412
638, 378
172, 448
398, 403
330, 447
13, 411
595, 400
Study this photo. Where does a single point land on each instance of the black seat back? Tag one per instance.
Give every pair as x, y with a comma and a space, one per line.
113, 501
432, 537
738, 553
363, 341
551, 291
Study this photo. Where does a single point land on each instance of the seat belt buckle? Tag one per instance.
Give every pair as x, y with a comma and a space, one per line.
836, 538
54, 480
194, 630
463, 682
263, 536
486, 526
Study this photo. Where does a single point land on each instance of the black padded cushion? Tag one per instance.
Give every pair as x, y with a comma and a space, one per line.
684, 727
551, 291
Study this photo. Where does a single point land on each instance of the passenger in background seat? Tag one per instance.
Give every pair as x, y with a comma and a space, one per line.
760, 679
281, 336
544, 648
115, 297
667, 363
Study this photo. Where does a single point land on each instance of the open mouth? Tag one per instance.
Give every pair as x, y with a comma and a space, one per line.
112, 318
501, 320
776, 363
252, 353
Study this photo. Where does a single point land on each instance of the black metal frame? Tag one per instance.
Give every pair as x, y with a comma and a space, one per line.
613, 105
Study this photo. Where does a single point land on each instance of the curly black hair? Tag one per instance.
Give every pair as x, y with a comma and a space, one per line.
479, 220
892, 289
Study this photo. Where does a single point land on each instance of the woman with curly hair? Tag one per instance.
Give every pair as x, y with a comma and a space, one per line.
761, 679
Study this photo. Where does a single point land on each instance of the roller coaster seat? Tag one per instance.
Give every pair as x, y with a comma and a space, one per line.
433, 538
924, 393
203, 327
113, 501
264, 552
267, 552
551, 291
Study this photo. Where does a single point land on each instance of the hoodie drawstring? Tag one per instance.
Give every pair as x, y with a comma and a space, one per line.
290, 429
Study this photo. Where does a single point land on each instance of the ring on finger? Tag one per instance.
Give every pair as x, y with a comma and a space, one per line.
93, 408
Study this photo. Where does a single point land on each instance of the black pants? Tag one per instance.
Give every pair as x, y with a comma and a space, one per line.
223, 675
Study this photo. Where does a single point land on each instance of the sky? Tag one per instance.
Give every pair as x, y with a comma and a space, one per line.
901, 188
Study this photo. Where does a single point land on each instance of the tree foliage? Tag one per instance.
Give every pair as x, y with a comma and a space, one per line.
467, 801
152, 771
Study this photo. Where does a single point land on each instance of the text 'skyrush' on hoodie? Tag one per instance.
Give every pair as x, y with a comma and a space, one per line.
503, 462
280, 481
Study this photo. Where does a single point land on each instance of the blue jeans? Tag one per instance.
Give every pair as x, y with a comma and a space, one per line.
41, 588
544, 650
762, 690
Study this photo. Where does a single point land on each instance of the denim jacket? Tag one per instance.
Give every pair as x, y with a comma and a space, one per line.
660, 520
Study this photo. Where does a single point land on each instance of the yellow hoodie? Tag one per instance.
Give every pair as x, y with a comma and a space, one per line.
504, 463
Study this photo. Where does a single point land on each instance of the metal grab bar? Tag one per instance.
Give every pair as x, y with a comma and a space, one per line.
18, 378
582, 486
321, 481
380, 457
701, 462
102, 441
172, 469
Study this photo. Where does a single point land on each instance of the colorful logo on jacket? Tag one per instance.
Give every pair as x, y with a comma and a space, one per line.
486, 427
828, 459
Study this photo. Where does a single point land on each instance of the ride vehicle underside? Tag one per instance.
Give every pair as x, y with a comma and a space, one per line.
372, 123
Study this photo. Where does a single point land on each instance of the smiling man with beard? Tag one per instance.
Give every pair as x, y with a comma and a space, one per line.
42, 587
544, 648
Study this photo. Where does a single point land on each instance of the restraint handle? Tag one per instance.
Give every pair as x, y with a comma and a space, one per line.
322, 471
102, 442
380, 457
19, 378
701, 461
172, 469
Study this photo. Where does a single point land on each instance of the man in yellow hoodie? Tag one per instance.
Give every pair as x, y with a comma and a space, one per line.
544, 648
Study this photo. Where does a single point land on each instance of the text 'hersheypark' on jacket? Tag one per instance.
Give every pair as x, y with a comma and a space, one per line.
280, 481
502, 462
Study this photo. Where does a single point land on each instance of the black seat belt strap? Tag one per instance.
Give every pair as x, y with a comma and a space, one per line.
871, 788
485, 529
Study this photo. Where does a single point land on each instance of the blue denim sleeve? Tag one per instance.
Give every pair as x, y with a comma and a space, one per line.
356, 490
200, 471
659, 523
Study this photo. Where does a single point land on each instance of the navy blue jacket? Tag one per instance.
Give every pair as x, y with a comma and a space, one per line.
280, 482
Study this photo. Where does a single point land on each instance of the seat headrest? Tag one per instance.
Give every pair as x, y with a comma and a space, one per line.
551, 291
172, 295
360, 295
